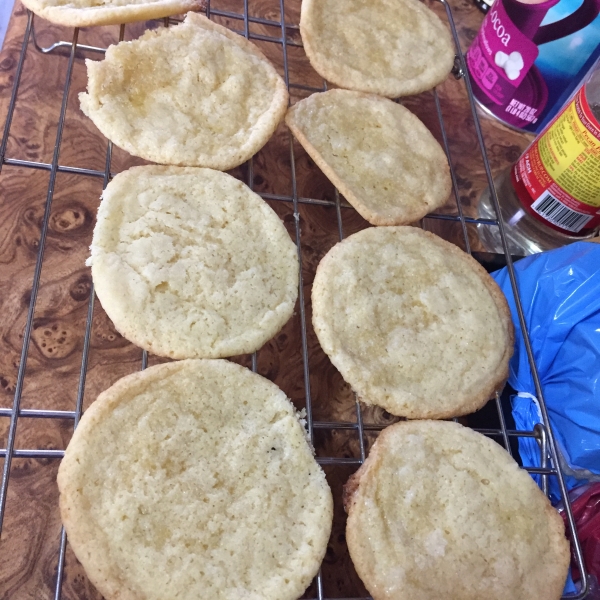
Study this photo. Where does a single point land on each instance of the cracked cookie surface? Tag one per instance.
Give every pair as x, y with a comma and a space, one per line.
413, 323
194, 479
440, 511
190, 263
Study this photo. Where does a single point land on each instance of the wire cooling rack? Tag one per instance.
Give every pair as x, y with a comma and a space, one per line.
285, 39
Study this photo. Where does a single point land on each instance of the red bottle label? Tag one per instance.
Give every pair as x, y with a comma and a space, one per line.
558, 177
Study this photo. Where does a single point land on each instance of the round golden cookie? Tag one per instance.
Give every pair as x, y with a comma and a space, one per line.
387, 47
376, 152
194, 479
84, 13
440, 511
192, 95
412, 323
190, 263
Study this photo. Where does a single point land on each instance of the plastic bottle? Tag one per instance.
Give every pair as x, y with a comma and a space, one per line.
551, 196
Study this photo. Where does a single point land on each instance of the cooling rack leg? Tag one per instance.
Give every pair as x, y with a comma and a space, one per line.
359, 419
461, 216
15, 90
61, 563
35, 287
254, 356
78, 410
250, 163
307, 391
503, 424
246, 21
542, 439
84, 363
338, 214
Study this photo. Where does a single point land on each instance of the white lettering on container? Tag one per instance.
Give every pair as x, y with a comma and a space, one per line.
499, 28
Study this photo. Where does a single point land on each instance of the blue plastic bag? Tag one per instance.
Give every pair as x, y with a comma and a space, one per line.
560, 294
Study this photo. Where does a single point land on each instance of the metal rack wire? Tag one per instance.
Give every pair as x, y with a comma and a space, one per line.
543, 433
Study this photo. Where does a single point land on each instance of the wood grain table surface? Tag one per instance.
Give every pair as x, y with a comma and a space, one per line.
30, 536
